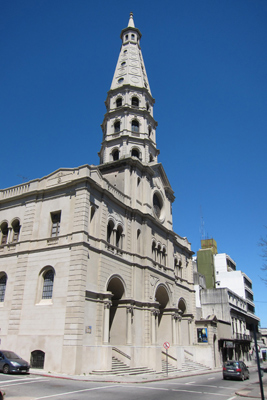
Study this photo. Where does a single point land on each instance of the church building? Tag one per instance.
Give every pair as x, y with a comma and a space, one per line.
90, 266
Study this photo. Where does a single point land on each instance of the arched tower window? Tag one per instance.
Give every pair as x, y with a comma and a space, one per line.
135, 102
135, 153
119, 102
135, 126
117, 127
115, 155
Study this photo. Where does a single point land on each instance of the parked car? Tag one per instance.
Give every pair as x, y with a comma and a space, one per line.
235, 369
11, 362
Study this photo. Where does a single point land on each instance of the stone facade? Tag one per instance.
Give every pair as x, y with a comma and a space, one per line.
89, 263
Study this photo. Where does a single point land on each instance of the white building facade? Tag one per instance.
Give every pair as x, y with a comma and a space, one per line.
89, 263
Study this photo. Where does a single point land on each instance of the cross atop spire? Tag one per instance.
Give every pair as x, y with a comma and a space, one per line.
131, 21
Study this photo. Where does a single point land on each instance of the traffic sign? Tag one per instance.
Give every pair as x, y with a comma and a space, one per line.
166, 345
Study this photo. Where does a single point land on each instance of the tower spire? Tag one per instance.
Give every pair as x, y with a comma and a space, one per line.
129, 128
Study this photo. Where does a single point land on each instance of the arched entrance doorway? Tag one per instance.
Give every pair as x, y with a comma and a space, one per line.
117, 316
164, 319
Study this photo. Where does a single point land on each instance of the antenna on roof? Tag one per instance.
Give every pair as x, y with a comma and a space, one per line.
202, 229
24, 178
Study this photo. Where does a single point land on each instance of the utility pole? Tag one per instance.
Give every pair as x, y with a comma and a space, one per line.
258, 361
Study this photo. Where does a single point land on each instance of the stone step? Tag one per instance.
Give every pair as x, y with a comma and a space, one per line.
187, 366
120, 368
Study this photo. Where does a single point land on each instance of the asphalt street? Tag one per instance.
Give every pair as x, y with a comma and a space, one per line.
33, 387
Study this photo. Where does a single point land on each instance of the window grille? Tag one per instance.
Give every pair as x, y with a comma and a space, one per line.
48, 284
2, 288
55, 224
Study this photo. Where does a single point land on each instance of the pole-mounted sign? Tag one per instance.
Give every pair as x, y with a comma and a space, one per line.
166, 346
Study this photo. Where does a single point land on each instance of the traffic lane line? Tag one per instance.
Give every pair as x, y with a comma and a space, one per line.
199, 385
179, 390
76, 391
23, 383
20, 380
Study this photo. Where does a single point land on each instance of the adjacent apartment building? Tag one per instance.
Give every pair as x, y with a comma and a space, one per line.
228, 296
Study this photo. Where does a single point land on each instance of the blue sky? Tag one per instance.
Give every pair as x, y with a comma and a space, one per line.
207, 67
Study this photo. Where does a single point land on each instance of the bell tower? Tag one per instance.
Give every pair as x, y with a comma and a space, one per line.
129, 154
129, 129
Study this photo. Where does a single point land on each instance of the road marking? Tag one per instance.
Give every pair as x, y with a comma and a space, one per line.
19, 380
189, 383
187, 391
215, 394
231, 398
197, 385
210, 379
76, 391
24, 383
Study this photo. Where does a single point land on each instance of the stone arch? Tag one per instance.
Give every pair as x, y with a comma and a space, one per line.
117, 315
162, 296
182, 307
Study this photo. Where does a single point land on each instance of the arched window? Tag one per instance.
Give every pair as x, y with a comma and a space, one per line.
154, 253
117, 127
37, 359
135, 102
151, 158
115, 155
16, 229
157, 205
48, 283
4, 233
119, 236
135, 126
92, 212
119, 102
110, 228
149, 131
135, 153
3, 280
164, 256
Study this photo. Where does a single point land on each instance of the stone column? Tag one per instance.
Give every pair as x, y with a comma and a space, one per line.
174, 328
179, 331
129, 311
189, 331
154, 317
107, 305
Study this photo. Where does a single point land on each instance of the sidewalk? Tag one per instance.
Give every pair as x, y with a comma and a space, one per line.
127, 378
252, 389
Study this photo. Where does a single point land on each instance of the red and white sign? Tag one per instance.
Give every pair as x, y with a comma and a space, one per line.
166, 345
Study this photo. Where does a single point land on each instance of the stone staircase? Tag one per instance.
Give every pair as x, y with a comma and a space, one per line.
187, 366
119, 368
